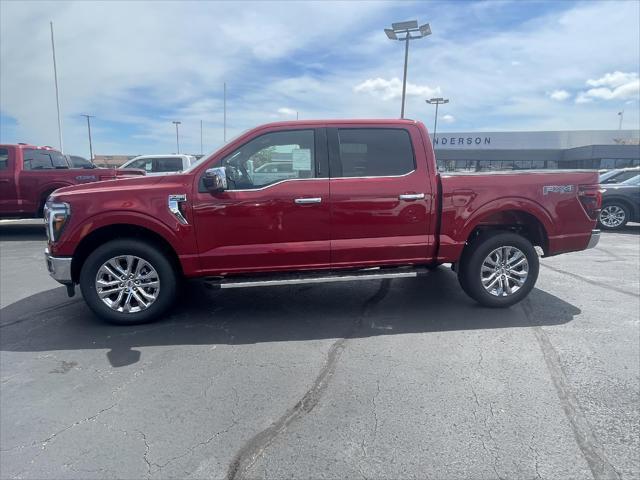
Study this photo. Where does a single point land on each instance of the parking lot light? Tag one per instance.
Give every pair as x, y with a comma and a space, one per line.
409, 31
176, 123
436, 101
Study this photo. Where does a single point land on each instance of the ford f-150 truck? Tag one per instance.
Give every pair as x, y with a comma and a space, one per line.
28, 174
360, 199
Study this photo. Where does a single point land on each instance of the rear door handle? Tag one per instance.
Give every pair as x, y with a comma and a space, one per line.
411, 196
307, 201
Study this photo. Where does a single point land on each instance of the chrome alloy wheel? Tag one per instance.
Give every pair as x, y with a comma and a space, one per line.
504, 271
127, 284
612, 216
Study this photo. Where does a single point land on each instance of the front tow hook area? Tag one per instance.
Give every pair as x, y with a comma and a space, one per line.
71, 289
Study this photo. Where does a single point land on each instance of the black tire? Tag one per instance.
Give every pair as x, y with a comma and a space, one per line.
470, 265
618, 206
149, 253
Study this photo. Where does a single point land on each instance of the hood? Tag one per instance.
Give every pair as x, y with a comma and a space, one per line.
127, 172
121, 184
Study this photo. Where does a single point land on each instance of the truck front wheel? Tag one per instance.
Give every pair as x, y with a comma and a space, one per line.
128, 282
499, 269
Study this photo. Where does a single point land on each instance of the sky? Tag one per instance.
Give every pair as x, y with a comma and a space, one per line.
138, 66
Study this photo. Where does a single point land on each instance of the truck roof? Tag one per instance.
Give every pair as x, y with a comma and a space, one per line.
364, 121
26, 145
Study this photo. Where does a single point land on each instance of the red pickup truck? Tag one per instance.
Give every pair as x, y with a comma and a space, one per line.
28, 174
338, 201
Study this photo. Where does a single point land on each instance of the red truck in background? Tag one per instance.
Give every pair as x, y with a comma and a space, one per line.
339, 200
28, 174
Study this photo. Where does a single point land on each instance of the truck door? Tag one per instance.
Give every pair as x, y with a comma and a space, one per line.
8, 191
381, 200
268, 219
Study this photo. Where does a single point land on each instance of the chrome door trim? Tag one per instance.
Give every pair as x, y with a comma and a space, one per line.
411, 196
308, 200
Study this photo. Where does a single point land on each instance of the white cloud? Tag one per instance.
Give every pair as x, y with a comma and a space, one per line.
392, 89
287, 112
614, 79
583, 98
448, 118
612, 86
559, 95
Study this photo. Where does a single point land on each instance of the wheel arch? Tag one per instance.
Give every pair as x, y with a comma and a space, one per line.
625, 201
518, 215
115, 231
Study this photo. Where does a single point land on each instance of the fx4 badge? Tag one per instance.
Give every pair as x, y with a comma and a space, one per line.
557, 189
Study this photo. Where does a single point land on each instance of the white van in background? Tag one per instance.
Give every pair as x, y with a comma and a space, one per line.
161, 164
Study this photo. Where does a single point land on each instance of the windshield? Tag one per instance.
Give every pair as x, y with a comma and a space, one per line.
632, 181
608, 175
207, 156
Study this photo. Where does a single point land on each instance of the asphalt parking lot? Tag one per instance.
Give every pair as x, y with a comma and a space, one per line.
381, 379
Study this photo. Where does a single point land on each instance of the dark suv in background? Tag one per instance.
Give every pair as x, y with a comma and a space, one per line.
620, 204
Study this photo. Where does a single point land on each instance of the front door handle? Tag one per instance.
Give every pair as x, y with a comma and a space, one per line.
307, 201
411, 196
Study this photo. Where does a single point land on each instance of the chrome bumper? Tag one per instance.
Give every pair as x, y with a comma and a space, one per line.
59, 268
595, 238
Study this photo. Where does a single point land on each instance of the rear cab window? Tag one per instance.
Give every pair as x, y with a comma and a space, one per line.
4, 158
374, 152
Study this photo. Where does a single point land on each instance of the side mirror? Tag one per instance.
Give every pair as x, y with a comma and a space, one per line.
215, 179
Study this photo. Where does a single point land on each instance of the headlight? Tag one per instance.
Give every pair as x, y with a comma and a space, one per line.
56, 215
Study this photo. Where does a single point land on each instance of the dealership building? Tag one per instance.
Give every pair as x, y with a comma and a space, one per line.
482, 151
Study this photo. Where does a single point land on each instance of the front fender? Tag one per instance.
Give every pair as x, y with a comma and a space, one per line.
180, 237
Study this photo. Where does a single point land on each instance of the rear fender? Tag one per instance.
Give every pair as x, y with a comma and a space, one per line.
508, 204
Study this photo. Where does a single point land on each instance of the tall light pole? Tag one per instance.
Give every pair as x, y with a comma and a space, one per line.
89, 129
176, 123
411, 31
55, 78
201, 137
436, 102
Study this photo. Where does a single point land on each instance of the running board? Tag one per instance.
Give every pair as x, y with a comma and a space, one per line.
317, 277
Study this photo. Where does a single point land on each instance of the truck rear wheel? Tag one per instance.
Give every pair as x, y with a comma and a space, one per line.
128, 282
499, 269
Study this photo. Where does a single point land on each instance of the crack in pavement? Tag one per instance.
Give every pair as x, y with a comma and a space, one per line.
591, 448
591, 282
54, 435
146, 453
255, 447
193, 447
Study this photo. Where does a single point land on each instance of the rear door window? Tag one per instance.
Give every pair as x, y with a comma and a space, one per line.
169, 164
37, 159
375, 152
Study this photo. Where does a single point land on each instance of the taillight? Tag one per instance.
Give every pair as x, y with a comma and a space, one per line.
591, 199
